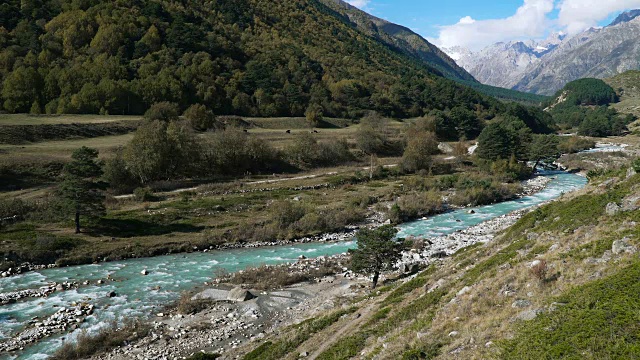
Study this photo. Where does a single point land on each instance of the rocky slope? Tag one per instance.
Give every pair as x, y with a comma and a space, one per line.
504, 64
563, 277
545, 67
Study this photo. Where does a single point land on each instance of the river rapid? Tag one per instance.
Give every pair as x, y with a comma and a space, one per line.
140, 296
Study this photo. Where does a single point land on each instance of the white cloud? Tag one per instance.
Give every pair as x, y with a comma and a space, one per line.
530, 20
578, 15
359, 3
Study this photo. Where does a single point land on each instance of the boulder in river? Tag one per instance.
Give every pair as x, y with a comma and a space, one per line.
239, 294
111, 294
144, 272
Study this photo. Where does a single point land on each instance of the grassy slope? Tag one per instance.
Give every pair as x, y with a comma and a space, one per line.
574, 236
627, 85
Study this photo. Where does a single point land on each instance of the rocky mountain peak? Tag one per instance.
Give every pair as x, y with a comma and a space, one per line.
626, 17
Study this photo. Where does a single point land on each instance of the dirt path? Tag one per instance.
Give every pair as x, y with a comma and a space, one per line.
337, 335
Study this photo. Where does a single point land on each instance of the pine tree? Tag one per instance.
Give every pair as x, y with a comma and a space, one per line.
81, 186
377, 251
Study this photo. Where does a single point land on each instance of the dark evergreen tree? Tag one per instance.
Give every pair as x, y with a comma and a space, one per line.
377, 251
81, 186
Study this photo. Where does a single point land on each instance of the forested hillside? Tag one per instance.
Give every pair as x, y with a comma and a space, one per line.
584, 104
402, 38
246, 57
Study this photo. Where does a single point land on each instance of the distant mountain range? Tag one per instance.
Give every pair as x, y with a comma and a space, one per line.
543, 67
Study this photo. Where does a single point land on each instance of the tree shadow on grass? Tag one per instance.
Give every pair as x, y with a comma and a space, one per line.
127, 228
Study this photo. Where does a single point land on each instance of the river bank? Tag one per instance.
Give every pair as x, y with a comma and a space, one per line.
228, 325
140, 286
376, 219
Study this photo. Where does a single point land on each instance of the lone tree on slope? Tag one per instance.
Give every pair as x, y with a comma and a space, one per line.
81, 187
377, 251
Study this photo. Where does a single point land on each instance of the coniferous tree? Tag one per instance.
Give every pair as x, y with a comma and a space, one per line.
81, 187
377, 251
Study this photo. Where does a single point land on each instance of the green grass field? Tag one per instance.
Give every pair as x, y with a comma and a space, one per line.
26, 119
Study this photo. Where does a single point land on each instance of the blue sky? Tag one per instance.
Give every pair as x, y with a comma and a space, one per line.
477, 23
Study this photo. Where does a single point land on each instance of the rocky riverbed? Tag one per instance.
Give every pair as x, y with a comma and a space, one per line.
63, 320
229, 324
44, 291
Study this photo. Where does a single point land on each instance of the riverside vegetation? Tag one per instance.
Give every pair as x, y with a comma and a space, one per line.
166, 152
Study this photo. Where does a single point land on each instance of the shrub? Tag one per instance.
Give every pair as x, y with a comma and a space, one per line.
484, 195
285, 213
540, 270
273, 277
118, 175
106, 339
200, 118
575, 144
307, 152
413, 206
186, 305
10, 208
143, 194
418, 153
162, 111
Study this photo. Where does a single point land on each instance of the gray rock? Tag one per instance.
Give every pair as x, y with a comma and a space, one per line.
463, 291
409, 268
631, 203
111, 294
612, 209
144, 272
521, 304
529, 315
454, 334
622, 246
212, 294
239, 294
631, 172
535, 263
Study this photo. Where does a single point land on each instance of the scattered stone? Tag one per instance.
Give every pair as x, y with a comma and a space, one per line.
304, 354
144, 272
488, 344
612, 209
453, 334
464, 290
631, 172
521, 304
631, 203
622, 246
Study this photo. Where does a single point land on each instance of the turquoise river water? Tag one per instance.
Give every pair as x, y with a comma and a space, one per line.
142, 296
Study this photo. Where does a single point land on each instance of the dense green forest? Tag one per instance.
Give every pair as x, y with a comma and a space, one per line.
583, 104
246, 57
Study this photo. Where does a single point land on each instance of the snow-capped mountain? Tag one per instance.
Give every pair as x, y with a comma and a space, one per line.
504, 64
545, 66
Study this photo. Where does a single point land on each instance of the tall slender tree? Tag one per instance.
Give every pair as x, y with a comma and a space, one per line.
81, 186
